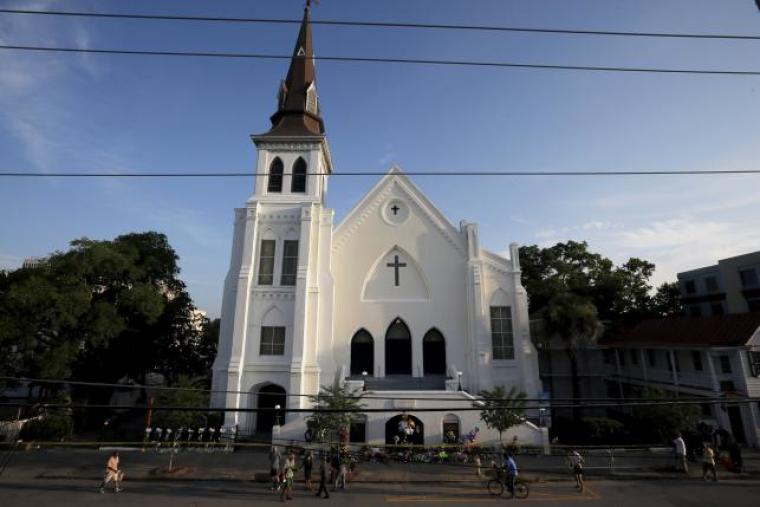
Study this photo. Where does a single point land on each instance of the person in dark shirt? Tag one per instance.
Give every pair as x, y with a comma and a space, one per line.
323, 477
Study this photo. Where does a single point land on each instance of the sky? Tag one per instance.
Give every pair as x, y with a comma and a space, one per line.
110, 113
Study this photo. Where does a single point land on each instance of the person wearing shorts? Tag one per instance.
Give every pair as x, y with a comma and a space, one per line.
576, 463
113, 474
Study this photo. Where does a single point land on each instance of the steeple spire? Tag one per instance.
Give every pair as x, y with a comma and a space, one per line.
297, 105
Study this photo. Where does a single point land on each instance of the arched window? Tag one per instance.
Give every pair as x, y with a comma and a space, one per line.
298, 180
362, 353
450, 429
275, 176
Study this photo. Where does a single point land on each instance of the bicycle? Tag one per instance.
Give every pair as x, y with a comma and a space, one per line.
497, 486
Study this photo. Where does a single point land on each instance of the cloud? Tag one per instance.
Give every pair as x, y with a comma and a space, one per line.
9, 261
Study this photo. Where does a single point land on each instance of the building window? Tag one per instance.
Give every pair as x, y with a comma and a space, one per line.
621, 356
696, 358
711, 284
266, 262
289, 262
275, 176
670, 361
754, 362
634, 357
716, 309
272, 341
749, 278
652, 356
607, 356
357, 430
501, 332
727, 386
298, 178
691, 287
695, 311
753, 305
725, 364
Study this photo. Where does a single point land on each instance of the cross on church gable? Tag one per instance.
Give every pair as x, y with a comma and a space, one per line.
395, 265
395, 209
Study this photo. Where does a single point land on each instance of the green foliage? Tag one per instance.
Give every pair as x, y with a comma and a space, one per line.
660, 423
336, 397
103, 310
49, 428
666, 302
186, 419
501, 409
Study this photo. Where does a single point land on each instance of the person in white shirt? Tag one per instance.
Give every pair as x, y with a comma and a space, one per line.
576, 463
679, 447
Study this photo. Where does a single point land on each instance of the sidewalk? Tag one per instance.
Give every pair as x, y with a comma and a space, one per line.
254, 466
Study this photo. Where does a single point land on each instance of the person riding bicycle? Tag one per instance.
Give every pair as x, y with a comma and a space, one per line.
511, 468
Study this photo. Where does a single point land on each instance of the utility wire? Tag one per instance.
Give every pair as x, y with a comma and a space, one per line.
386, 24
20, 174
415, 61
582, 402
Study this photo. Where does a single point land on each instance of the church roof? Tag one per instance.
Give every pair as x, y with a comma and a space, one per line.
298, 108
716, 331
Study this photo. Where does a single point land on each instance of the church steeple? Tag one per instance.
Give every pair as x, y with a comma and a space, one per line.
297, 105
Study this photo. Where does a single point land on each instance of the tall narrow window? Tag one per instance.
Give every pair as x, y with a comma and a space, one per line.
652, 356
272, 341
275, 176
725, 364
298, 180
501, 332
696, 357
266, 262
289, 262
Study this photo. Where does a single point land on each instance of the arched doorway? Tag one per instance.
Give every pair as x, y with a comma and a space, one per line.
434, 353
362, 353
398, 349
267, 397
407, 428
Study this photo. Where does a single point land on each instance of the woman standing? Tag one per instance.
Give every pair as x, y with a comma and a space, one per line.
308, 464
288, 472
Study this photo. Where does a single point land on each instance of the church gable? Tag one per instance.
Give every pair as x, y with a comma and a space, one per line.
395, 198
395, 276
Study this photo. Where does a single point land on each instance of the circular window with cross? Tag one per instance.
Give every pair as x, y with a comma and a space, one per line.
395, 212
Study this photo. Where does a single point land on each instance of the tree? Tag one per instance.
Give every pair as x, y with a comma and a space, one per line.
573, 320
501, 409
326, 425
188, 394
664, 421
666, 302
103, 310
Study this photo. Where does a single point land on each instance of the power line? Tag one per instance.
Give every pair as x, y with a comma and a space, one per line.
580, 402
415, 61
387, 24
686, 172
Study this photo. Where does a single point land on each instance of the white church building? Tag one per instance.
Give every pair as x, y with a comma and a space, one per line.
394, 299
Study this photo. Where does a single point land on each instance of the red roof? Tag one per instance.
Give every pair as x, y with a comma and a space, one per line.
716, 331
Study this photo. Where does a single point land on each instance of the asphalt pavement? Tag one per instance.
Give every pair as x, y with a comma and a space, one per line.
690, 492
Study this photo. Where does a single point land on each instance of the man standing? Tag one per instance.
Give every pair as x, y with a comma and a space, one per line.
323, 477
679, 447
708, 462
113, 473
576, 463
274, 467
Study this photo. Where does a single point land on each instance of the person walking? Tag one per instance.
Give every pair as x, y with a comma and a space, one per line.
576, 464
274, 467
708, 462
334, 470
323, 464
113, 473
308, 464
288, 474
478, 471
511, 467
679, 448
340, 480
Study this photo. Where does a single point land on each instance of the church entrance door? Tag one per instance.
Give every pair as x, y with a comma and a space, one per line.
268, 397
434, 353
404, 429
362, 353
398, 349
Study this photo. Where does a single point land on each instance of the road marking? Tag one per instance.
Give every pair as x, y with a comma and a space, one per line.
536, 496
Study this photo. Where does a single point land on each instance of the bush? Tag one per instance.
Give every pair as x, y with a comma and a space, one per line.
49, 428
602, 430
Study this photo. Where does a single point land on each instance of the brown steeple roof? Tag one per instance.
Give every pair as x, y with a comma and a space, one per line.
298, 108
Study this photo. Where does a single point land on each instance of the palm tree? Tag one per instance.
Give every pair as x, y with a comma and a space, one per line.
343, 403
573, 320
501, 409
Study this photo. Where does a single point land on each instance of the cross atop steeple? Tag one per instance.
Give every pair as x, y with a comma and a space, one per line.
297, 105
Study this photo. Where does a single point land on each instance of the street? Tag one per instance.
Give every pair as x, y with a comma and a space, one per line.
44, 493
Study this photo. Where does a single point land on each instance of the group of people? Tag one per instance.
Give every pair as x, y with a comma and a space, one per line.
709, 455
283, 473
